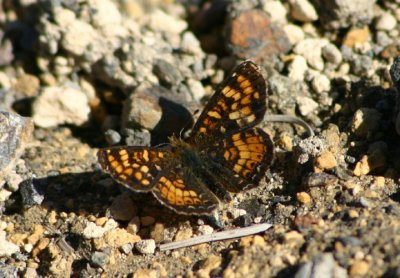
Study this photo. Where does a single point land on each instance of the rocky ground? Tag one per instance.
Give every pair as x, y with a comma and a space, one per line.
79, 75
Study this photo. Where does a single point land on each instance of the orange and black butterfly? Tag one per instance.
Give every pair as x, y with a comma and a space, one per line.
225, 151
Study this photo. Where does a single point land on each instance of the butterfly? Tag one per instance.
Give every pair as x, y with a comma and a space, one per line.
224, 153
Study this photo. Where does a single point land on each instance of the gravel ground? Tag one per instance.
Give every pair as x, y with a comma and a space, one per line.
76, 76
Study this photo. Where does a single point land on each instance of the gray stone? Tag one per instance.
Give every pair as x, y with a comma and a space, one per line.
99, 259
15, 131
332, 54
306, 105
112, 137
336, 14
32, 192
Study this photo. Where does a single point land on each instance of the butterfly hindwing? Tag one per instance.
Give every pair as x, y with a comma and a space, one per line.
184, 193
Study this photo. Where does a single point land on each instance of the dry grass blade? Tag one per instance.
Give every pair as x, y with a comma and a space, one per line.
236, 233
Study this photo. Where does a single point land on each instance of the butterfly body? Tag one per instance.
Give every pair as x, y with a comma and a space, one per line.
224, 153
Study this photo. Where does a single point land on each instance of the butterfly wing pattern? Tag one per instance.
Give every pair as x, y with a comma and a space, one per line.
225, 152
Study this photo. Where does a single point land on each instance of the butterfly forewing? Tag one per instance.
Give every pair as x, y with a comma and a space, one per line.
135, 167
239, 103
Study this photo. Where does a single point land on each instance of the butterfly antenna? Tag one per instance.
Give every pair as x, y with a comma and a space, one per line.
187, 123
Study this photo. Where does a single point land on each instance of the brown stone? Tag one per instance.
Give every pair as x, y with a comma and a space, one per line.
251, 34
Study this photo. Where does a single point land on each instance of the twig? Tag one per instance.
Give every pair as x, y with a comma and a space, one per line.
241, 232
291, 120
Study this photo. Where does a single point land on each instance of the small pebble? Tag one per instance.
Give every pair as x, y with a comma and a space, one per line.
99, 259
146, 246
359, 268
147, 221
386, 22
304, 198
303, 10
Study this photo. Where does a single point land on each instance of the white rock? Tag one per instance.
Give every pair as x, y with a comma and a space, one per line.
64, 17
297, 68
106, 13
205, 230
7, 248
311, 49
276, 11
196, 89
321, 83
294, 33
162, 21
4, 194
60, 105
386, 22
303, 11
78, 36
332, 54
93, 231
146, 246
306, 105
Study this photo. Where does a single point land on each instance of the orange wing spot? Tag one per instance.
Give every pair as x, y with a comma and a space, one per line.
246, 110
119, 169
197, 201
124, 157
122, 152
253, 139
226, 155
179, 201
240, 78
122, 177
246, 100
135, 165
171, 197
186, 193
246, 173
237, 96
138, 175
237, 168
128, 171
234, 152
243, 148
188, 200
245, 155
202, 129
234, 115
223, 105
236, 136
251, 118
250, 164
192, 193
144, 169
238, 143
256, 95
241, 161
111, 158
158, 167
246, 83
248, 90
145, 182
178, 192
160, 154
214, 114
163, 179
146, 155
256, 148
227, 91
114, 164
234, 106
179, 181
164, 191
126, 163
